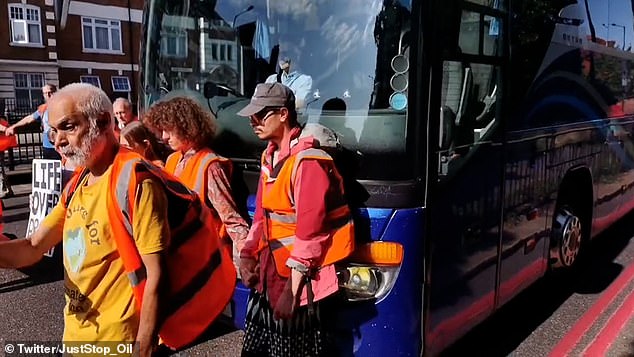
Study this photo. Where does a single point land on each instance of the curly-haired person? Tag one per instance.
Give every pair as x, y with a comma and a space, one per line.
189, 130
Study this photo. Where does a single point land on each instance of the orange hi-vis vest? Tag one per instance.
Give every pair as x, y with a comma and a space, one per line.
200, 275
194, 176
280, 215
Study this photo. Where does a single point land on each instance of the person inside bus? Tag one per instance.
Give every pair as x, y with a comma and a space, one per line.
140, 139
289, 74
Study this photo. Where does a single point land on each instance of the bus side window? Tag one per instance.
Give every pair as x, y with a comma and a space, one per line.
469, 100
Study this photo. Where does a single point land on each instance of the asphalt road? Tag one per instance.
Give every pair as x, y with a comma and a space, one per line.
535, 323
565, 308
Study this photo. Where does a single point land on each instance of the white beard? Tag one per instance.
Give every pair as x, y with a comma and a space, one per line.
79, 157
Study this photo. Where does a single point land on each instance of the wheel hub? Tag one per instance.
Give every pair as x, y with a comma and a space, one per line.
567, 237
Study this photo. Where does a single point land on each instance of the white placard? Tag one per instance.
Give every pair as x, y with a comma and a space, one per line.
46, 189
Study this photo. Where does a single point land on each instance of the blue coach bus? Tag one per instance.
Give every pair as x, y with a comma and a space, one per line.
488, 140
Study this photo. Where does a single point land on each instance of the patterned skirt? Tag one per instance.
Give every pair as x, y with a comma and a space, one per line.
301, 336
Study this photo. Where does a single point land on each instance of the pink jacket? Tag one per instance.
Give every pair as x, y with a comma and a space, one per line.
311, 195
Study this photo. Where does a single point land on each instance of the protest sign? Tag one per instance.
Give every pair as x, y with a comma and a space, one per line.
46, 188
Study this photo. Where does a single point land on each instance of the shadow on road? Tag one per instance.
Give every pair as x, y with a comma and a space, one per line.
501, 334
219, 328
41, 273
16, 206
16, 217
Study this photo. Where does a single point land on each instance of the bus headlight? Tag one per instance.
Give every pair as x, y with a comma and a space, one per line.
361, 282
371, 271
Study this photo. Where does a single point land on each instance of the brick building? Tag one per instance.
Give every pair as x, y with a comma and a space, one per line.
60, 42
28, 52
65, 41
99, 44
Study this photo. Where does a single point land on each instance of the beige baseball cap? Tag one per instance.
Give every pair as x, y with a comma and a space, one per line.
269, 95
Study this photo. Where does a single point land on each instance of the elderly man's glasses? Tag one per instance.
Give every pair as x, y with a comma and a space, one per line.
263, 115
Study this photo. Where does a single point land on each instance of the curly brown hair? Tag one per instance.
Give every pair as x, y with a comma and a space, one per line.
185, 117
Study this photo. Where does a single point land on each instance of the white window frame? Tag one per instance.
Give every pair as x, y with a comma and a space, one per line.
111, 26
25, 22
30, 87
180, 36
89, 79
114, 88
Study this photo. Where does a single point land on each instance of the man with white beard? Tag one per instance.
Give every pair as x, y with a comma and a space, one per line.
113, 220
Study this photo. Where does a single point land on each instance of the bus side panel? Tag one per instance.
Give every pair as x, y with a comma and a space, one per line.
464, 229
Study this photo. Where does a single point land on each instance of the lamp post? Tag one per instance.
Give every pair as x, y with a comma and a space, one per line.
607, 37
622, 28
249, 8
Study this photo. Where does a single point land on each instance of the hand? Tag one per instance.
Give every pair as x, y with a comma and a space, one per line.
249, 272
10, 131
286, 304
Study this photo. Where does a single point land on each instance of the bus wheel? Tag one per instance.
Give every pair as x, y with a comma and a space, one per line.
567, 236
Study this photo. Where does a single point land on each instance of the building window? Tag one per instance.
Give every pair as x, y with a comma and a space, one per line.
214, 51
94, 80
100, 35
222, 51
25, 24
174, 42
120, 84
28, 89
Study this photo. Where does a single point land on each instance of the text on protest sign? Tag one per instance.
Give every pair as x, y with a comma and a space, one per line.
46, 188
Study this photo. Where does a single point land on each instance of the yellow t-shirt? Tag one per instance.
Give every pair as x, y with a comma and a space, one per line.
100, 303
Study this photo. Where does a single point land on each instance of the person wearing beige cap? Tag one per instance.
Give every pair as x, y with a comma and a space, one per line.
301, 227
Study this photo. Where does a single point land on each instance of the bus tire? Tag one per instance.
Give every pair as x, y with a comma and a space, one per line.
567, 238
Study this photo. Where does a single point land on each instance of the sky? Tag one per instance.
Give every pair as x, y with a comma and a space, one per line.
617, 12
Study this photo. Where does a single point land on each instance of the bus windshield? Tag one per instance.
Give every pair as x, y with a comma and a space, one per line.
346, 61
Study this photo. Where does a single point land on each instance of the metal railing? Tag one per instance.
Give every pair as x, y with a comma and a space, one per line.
29, 137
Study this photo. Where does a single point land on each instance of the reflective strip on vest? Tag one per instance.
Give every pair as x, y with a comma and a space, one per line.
283, 218
200, 175
308, 153
122, 193
137, 277
282, 243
